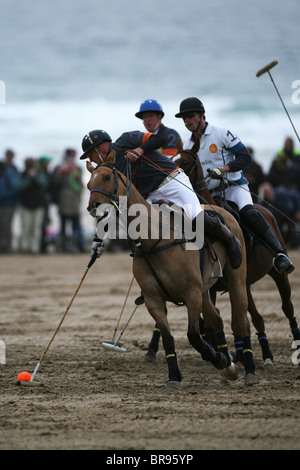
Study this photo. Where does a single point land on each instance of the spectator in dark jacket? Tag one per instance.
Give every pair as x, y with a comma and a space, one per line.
8, 200
67, 183
32, 187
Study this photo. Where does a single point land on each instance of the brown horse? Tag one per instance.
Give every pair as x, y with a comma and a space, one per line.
167, 270
259, 257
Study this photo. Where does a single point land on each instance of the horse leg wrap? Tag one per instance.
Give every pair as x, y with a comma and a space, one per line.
264, 344
174, 371
238, 343
222, 346
154, 343
208, 336
207, 351
202, 326
249, 363
295, 329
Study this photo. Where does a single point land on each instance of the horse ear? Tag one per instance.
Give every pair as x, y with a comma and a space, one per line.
89, 166
111, 157
179, 145
196, 146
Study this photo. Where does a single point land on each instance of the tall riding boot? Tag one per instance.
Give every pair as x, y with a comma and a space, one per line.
259, 226
214, 227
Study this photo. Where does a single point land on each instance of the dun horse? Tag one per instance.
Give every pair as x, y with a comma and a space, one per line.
259, 257
166, 270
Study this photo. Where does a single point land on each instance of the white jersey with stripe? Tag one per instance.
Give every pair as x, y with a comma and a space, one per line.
217, 148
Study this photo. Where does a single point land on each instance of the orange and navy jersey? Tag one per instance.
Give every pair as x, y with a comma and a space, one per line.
172, 138
149, 171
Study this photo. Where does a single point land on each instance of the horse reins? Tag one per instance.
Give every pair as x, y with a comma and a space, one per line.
113, 197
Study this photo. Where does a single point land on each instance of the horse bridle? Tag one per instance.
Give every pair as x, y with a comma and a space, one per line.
113, 197
193, 167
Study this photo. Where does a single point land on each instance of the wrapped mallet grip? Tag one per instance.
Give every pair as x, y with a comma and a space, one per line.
92, 261
266, 68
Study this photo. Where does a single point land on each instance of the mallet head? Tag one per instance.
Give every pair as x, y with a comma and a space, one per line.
26, 383
266, 68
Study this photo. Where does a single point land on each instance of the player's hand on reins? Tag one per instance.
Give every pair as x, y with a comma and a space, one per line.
217, 172
134, 155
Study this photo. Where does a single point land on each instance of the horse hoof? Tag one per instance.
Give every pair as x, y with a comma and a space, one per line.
268, 365
150, 357
231, 372
174, 384
251, 379
241, 368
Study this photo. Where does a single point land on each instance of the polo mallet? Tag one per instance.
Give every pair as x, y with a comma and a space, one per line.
122, 310
31, 383
114, 346
267, 69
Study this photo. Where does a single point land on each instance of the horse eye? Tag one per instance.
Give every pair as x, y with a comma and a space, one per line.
107, 177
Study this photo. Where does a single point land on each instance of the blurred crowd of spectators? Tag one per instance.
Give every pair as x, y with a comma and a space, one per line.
31, 192
279, 189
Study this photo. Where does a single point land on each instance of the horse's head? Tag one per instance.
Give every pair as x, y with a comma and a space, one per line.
188, 160
104, 187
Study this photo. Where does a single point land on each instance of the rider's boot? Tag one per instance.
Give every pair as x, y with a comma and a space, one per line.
214, 227
256, 222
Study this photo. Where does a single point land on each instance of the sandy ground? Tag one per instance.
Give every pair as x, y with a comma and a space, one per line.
95, 398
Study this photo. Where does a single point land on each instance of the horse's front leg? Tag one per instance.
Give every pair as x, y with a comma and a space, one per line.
214, 326
241, 329
160, 317
208, 353
150, 355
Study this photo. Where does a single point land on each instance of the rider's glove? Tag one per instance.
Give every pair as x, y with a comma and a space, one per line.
217, 173
97, 247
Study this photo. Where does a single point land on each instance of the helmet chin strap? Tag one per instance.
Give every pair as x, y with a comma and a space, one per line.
99, 155
197, 128
157, 126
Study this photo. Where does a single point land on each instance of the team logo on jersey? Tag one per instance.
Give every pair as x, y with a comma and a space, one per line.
213, 148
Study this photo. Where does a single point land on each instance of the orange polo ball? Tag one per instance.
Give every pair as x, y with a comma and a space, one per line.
24, 377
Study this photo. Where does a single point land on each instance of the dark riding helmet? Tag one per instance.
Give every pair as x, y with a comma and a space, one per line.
92, 139
190, 105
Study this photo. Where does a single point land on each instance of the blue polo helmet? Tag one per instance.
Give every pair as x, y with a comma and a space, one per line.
149, 105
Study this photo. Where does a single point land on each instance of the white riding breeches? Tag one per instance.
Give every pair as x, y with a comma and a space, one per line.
239, 194
178, 191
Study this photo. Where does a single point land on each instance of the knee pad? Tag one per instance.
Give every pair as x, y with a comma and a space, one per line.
254, 219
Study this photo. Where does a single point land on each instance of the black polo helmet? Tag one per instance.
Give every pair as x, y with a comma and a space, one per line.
190, 105
92, 139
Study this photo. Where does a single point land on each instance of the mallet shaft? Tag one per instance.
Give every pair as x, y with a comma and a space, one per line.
92, 260
121, 313
267, 69
35, 371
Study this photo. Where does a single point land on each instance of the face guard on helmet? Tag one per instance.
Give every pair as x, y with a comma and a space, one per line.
149, 105
92, 139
